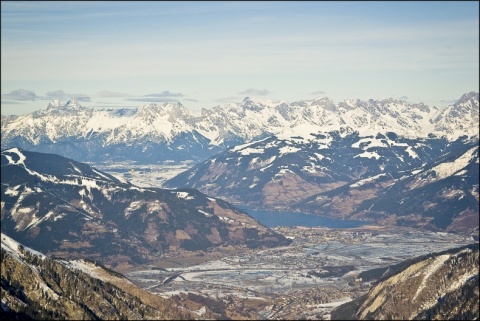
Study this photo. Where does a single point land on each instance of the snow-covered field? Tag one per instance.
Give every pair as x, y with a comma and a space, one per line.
151, 175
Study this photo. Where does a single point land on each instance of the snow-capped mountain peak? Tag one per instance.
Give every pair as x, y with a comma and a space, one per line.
172, 127
72, 103
466, 98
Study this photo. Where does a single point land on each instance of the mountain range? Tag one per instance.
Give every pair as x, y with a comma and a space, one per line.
384, 161
169, 131
423, 182
57, 205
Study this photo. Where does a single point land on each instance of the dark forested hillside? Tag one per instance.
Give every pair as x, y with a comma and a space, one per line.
56, 205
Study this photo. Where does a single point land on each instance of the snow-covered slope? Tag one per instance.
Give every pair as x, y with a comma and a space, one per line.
156, 132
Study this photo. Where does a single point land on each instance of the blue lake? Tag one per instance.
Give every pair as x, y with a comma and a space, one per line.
273, 218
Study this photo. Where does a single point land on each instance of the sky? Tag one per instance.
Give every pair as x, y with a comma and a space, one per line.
204, 54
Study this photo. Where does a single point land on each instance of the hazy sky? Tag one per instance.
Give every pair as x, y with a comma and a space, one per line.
203, 54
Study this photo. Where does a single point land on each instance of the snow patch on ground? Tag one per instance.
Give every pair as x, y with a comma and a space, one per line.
76, 168
432, 268
21, 157
248, 151
319, 156
205, 213
11, 246
135, 205
243, 146
185, 195
288, 150
301, 133
411, 152
367, 180
12, 191
368, 155
200, 311
445, 170
369, 142
102, 175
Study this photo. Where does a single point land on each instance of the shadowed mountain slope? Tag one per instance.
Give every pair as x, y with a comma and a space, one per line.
56, 205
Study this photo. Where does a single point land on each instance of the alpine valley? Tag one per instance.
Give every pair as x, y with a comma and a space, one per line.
386, 162
81, 241
378, 160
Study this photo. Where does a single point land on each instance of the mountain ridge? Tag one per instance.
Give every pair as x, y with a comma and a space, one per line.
35, 286
57, 205
171, 131
437, 286
383, 178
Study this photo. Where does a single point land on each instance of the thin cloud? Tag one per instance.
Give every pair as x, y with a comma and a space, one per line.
61, 95
110, 94
21, 95
403, 98
255, 92
448, 101
153, 99
318, 93
189, 99
11, 102
162, 97
165, 93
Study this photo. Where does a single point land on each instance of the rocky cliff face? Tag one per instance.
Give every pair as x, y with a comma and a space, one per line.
442, 286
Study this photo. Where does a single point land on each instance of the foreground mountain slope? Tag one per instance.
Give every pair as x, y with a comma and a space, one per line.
37, 287
56, 205
169, 131
441, 286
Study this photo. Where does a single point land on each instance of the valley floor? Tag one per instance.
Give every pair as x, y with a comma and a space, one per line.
317, 272
149, 175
